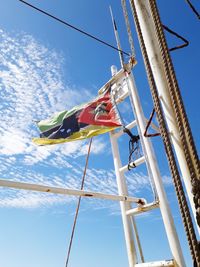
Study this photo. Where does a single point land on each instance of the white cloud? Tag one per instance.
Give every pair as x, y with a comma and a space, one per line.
32, 88
31, 200
13, 143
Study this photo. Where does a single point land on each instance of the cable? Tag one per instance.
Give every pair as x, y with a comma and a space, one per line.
146, 134
186, 42
134, 150
78, 204
193, 9
74, 28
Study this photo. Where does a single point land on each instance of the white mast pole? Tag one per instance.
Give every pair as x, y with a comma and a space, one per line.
121, 182
151, 159
149, 153
152, 47
122, 189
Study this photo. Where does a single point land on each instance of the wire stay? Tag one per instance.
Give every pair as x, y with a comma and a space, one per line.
78, 204
74, 27
193, 9
186, 42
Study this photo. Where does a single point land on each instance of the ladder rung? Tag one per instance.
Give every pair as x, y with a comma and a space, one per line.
133, 164
122, 97
168, 263
143, 208
121, 132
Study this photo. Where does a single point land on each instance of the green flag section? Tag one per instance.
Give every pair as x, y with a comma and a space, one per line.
81, 122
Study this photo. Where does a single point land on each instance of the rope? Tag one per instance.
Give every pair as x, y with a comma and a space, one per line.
186, 42
187, 220
132, 62
74, 28
78, 204
128, 27
148, 125
134, 148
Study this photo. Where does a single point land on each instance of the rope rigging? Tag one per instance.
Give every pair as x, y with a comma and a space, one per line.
128, 27
134, 151
75, 28
148, 125
78, 204
187, 220
134, 148
181, 116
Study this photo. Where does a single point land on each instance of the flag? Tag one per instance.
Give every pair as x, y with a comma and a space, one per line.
96, 117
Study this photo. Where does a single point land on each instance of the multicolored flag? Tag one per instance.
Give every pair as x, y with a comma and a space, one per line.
81, 122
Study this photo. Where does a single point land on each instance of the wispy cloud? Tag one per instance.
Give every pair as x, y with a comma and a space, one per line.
32, 88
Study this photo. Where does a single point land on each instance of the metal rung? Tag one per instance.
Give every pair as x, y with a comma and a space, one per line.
168, 263
140, 209
119, 75
133, 164
122, 97
121, 132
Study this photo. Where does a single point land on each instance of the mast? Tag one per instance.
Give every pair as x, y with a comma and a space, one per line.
153, 170
142, 9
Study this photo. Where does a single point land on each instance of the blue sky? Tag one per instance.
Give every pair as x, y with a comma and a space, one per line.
44, 68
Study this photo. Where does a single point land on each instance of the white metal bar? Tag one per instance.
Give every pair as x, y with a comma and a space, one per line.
129, 126
133, 164
168, 263
68, 191
151, 160
122, 189
122, 97
115, 78
154, 54
144, 208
